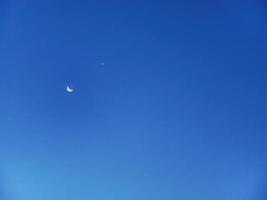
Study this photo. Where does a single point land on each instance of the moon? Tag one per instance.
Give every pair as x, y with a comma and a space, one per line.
69, 89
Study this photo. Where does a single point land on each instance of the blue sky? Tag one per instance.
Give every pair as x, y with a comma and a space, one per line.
178, 110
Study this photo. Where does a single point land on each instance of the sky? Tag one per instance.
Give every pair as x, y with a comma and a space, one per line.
169, 100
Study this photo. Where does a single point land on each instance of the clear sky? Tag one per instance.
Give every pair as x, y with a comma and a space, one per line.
169, 100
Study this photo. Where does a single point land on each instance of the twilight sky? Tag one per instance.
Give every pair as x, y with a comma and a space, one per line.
169, 100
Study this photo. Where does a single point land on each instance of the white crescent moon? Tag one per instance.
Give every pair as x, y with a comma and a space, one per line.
69, 89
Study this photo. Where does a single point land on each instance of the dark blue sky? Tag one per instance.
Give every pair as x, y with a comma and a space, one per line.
178, 110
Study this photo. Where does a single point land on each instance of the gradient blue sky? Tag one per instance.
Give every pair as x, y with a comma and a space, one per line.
178, 111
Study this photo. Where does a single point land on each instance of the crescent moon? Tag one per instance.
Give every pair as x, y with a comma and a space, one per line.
69, 89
